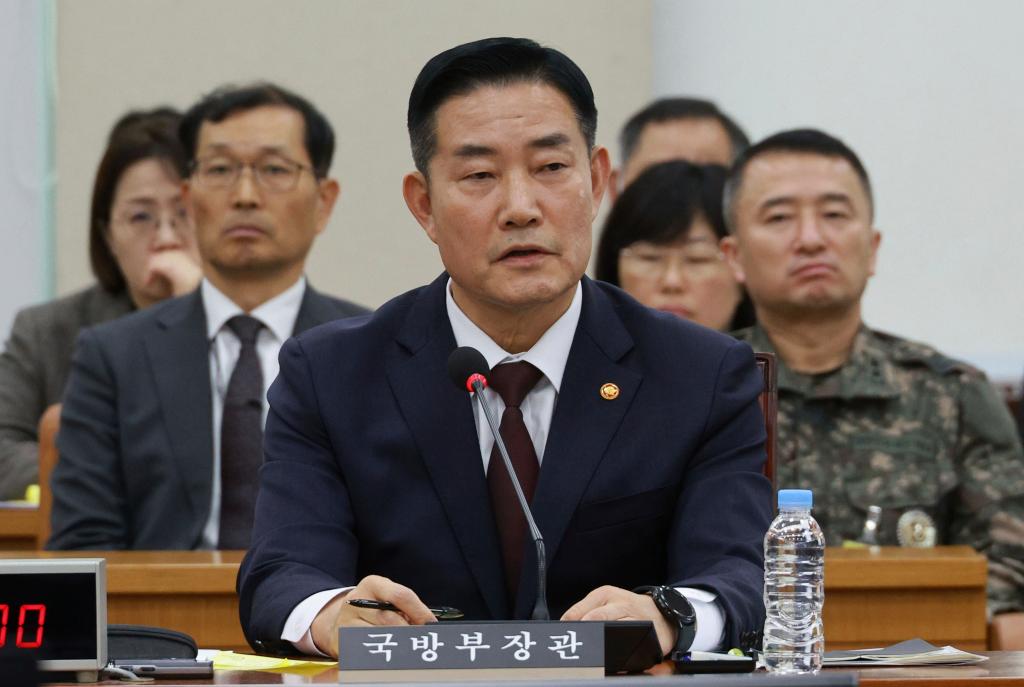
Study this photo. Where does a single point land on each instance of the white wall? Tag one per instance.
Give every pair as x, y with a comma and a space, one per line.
25, 174
930, 93
356, 60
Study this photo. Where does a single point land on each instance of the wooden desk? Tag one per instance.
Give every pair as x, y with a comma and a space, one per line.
1003, 669
190, 591
18, 527
871, 598
880, 597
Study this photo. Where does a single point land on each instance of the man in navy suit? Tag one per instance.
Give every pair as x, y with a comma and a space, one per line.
155, 452
644, 430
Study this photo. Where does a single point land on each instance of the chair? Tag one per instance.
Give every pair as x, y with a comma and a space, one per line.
1006, 632
49, 423
769, 400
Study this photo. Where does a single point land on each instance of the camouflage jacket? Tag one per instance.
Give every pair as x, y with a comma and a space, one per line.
903, 427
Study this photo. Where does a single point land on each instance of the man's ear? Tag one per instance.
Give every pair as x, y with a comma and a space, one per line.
416, 191
328, 193
730, 249
600, 171
876, 240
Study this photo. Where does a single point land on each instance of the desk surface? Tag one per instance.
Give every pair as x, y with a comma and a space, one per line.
189, 591
1004, 668
872, 597
18, 527
158, 572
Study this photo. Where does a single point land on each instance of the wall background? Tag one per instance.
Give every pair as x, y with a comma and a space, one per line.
26, 173
356, 60
928, 92
931, 96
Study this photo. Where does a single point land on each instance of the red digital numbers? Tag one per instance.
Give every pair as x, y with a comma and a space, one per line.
31, 621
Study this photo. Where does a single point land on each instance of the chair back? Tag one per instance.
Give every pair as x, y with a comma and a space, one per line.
1006, 632
769, 400
49, 424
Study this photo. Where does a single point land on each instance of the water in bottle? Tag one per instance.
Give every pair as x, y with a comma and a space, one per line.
794, 590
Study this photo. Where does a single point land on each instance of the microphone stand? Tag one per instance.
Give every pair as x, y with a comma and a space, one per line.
540, 608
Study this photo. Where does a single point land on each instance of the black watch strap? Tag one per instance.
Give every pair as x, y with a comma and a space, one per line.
678, 610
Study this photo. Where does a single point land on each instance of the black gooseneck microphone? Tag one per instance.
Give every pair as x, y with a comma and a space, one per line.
468, 370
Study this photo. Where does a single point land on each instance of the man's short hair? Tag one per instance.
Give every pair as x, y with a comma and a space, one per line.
672, 109
810, 141
492, 62
228, 100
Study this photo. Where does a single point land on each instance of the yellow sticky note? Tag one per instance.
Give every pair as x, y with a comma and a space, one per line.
32, 494
229, 660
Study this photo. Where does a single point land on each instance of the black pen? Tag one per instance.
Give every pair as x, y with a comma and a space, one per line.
440, 612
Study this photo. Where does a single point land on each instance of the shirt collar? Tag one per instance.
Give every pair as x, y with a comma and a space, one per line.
278, 314
548, 355
867, 373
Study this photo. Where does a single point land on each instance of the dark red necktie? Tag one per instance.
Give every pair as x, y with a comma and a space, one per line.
512, 381
241, 439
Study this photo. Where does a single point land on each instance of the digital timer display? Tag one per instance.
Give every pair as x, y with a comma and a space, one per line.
31, 623
55, 621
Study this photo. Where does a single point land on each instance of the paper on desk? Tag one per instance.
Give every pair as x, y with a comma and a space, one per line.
229, 660
913, 652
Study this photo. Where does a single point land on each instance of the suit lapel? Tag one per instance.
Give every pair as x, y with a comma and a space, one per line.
582, 426
314, 310
440, 417
179, 355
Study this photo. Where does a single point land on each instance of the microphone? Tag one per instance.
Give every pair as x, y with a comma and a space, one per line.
468, 370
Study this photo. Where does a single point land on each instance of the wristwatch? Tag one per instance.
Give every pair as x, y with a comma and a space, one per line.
678, 611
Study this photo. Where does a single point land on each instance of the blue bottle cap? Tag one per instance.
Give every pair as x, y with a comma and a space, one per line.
795, 498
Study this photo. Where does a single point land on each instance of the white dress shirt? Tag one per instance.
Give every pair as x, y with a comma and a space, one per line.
549, 355
278, 316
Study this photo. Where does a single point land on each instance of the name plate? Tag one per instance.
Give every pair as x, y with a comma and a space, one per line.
451, 651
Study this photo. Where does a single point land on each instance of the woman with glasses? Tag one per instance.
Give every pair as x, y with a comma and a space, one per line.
660, 245
142, 248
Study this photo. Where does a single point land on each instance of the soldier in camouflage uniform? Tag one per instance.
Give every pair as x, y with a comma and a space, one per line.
866, 418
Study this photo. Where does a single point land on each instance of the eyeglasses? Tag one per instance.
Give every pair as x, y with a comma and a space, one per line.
273, 173
143, 220
696, 257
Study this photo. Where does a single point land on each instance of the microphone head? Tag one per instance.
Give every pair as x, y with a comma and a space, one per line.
467, 365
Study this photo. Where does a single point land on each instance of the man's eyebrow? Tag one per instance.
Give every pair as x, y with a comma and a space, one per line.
550, 141
474, 150
831, 197
775, 202
835, 197
227, 147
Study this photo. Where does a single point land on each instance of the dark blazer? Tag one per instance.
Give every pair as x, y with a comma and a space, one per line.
373, 466
136, 436
34, 370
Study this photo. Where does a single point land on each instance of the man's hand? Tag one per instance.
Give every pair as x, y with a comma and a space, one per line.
173, 273
613, 603
337, 613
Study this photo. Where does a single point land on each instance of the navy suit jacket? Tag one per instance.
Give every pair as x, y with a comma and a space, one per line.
373, 467
136, 435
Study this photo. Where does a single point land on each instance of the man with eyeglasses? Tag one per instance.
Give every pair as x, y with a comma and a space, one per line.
161, 430
900, 443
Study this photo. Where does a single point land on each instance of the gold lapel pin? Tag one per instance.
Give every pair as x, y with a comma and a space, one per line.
609, 391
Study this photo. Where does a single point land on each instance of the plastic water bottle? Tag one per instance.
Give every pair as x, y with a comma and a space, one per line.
794, 587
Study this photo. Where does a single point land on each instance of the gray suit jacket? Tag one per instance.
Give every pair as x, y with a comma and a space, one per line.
136, 437
34, 371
